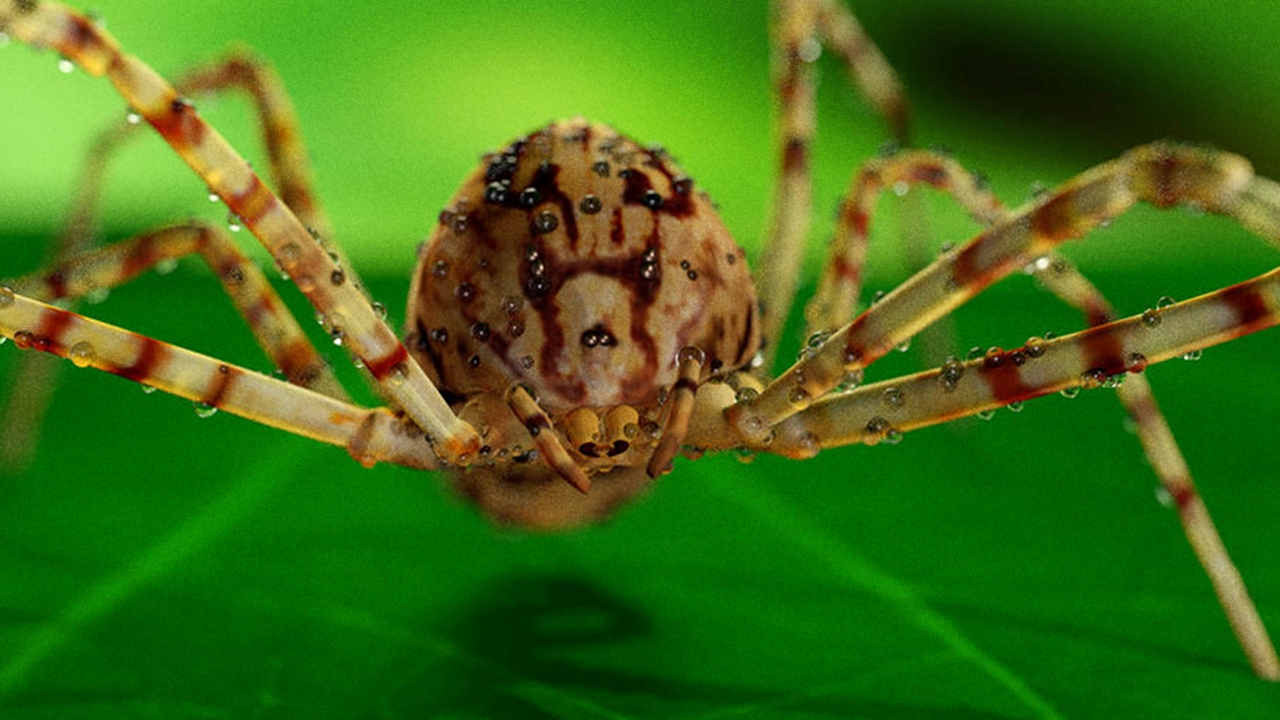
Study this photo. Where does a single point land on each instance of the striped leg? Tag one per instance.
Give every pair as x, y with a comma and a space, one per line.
274, 328
370, 436
1175, 477
318, 276
799, 29
838, 290
33, 381
1161, 174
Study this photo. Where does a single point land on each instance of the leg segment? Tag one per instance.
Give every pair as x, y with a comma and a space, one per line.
691, 361
838, 290
48, 24
33, 381
1162, 174
276, 330
369, 435
799, 28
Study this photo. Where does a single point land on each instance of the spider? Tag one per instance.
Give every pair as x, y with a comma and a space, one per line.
580, 315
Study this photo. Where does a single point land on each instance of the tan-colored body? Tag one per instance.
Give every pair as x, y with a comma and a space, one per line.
578, 264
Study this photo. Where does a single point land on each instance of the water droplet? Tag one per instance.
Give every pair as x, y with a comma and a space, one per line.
878, 296
1164, 302
4, 40
652, 199
744, 456
893, 436
986, 414
901, 188
146, 389
975, 352
1135, 362
81, 354
379, 310
338, 334
133, 118
893, 397
905, 345
590, 205
1034, 347
166, 266
876, 429
337, 277
234, 223
809, 49
530, 197
23, 339
511, 304
204, 410
1093, 378
480, 331
526, 362
65, 66
746, 395
952, 371
601, 168
851, 380
6, 297
798, 395
515, 327
1164, 497
1192, 355
545, 222
1070, 391
466, 292
1015, 406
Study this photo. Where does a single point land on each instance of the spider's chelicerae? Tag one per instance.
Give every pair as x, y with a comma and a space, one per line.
580, 315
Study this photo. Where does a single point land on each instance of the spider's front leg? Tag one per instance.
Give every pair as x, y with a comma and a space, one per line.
318, 276
370, 436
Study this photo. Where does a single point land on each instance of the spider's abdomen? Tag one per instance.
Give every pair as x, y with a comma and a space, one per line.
578, 263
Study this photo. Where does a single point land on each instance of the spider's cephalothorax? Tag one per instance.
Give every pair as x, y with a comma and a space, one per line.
579, 264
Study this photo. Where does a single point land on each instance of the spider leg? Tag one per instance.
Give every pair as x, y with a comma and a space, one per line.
799, 27
369, 435
1162, 174
836, 300
1170, 466
274, 328
33, 382
318, 276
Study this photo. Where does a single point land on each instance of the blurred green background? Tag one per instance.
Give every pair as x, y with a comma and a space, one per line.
157, 565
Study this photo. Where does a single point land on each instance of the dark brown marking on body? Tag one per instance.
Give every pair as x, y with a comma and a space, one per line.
546, 183
744, 343
1248, 305
221, 385
381, 367
617, 233
847, 270
684, 383
151, 355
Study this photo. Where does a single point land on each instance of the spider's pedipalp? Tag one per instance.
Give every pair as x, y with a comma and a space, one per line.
229, 176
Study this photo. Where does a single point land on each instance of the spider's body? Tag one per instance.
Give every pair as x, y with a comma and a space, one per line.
579, 264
